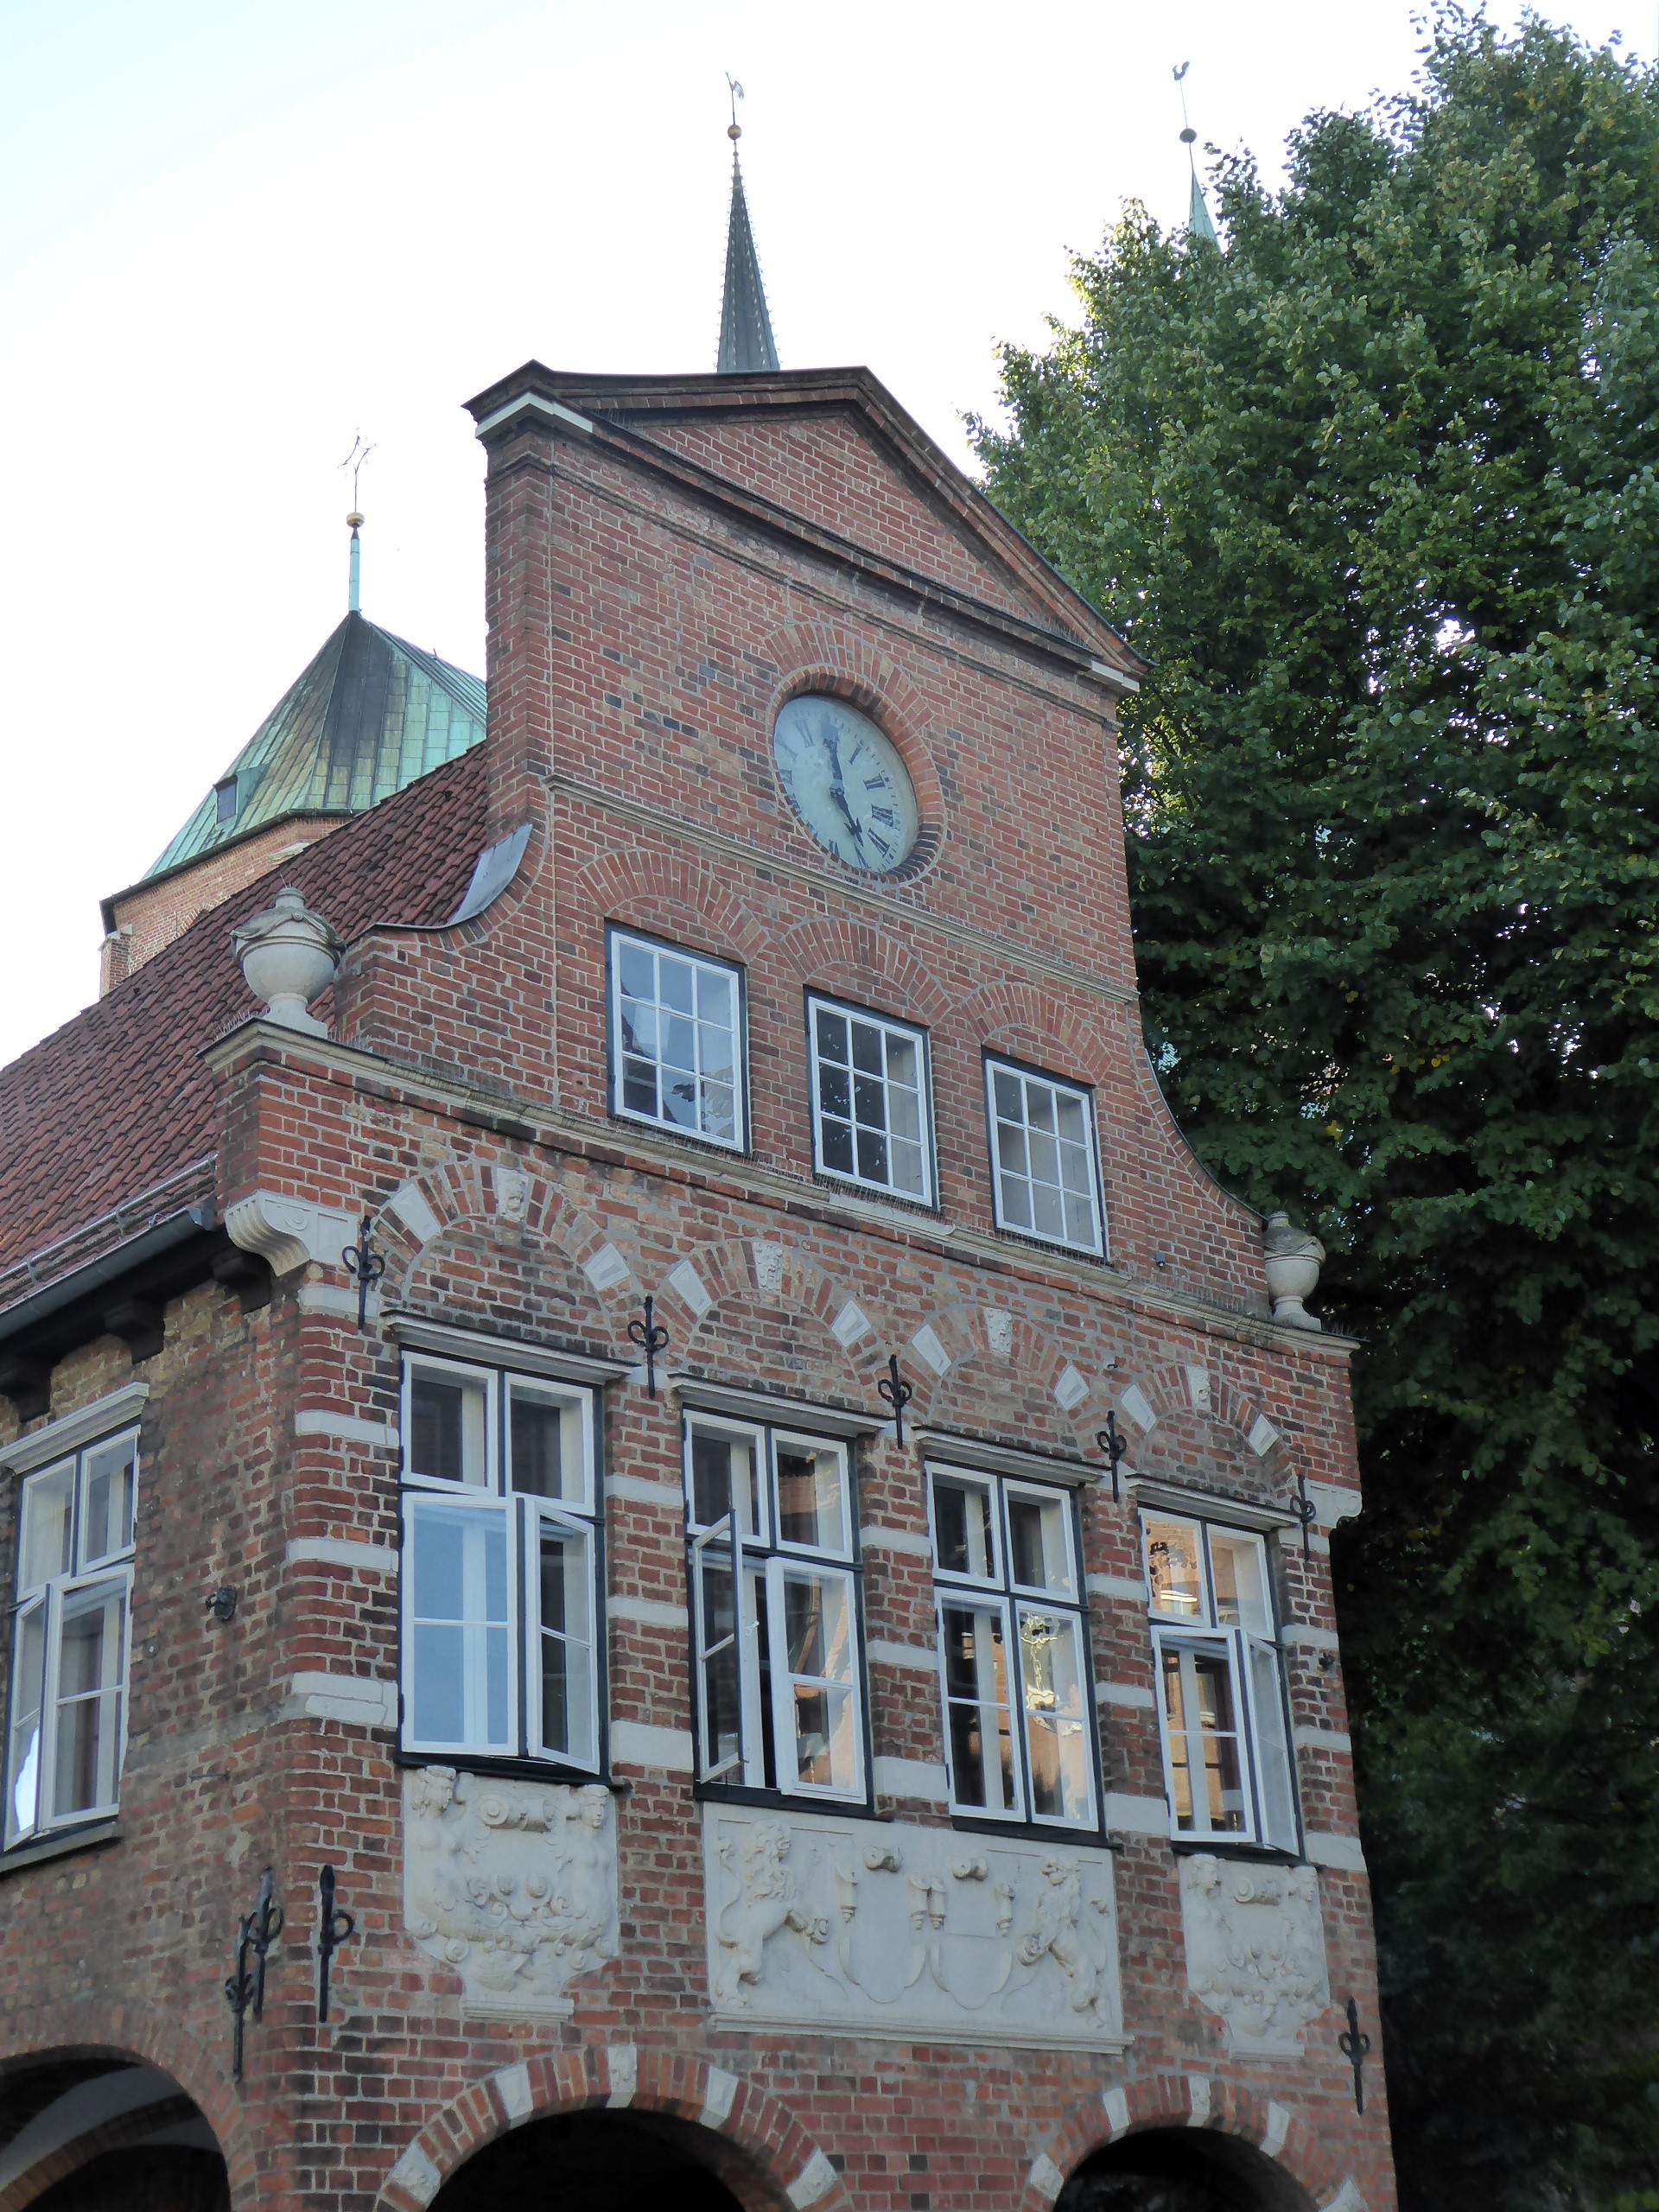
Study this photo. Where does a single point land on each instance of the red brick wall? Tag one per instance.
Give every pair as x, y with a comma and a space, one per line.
151, 915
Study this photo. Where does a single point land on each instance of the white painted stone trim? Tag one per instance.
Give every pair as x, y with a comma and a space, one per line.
926, 1346
622, 2064
1347, 2198
815, 2179
363, 1700
876, 1539
1336, 1502
342, 1551
1115, 2103
1198, 1388
1342, 1852
922, 1656
1046, 2179
923, 1779
409, 1203
644, 1491
415, 2173
1197, 2100
689, 1287
849, 1325
116, 1410
1278, 2131
340, 1305
1315, 1639
1124, 1588
606, 1268
1138, 1408
719, 2088
655, 1613
637, 1743
346, 1428
1136, 1815
1307, 1738
1262, 1436
1125, 1694
512, 2086
286, 1232
1069, 1390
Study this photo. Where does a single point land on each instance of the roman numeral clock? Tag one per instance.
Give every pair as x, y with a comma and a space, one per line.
846, 782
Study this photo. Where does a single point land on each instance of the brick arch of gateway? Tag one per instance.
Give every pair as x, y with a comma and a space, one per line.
790, 2173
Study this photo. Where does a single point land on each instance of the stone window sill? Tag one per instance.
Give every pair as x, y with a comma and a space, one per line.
59, 1847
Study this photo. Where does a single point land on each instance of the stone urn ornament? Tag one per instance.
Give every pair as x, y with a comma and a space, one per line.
288, 956
1293, 1260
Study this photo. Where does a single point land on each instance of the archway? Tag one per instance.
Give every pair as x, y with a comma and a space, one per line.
92, 2131
606, 2162
1181, 2170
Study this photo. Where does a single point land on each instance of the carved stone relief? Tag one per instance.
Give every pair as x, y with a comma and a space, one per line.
1256, 1949
512, 1884
887, 1928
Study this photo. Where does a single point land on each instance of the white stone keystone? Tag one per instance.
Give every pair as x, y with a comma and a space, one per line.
606, 1268
927, 1346
1070, 1389
409, 1202
849, 1325
686, 1283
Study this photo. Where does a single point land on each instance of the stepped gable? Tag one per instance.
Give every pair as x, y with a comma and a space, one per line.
118, 1102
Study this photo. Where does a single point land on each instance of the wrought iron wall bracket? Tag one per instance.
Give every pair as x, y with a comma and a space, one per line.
1353, 2046
1305, 1510
255, 1932
366, 1267
898, 1393
1114, 1444
651, 1337
334, 1928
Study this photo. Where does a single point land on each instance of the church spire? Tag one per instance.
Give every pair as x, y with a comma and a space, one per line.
744, 326
1198, 223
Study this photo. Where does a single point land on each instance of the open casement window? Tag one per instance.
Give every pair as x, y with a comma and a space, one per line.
67, 1726
1044, 1166
871, 1119
1018, 1706
676, 1039
502, 1647
774, 1610
1221, 1684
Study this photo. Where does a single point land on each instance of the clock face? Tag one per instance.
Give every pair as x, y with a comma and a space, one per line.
846, 782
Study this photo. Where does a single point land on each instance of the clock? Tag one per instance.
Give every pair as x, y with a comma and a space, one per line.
846, 783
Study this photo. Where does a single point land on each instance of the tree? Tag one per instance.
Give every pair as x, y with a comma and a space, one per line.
1376, 490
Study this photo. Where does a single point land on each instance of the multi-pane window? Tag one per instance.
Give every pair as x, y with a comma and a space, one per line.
1221, 1683
1018, 1711
501, 1642
870, 1118
676, 1039
774, 1609
1043, 1171
68, 1721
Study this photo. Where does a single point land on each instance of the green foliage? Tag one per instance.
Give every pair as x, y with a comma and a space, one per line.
1376, 491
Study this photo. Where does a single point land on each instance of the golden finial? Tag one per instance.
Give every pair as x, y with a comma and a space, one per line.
736, 130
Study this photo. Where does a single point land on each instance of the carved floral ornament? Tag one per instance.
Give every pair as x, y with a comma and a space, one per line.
1256, 1950
901, 1930
512, 1885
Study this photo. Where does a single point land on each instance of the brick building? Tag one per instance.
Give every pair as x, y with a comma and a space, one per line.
725, 1797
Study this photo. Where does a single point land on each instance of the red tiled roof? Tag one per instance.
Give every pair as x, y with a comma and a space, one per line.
118, 1103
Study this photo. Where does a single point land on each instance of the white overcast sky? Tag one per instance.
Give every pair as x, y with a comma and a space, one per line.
233, 232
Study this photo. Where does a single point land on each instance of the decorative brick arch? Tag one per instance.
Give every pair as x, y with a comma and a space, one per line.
851, 959
146, 2036
1176, 2101
672, 895
1169, 1389
793, 2173
1029, 1357
712, 1278
1030, 1024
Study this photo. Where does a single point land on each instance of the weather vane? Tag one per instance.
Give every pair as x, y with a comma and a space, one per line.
736, 92
1198, 222
354, 460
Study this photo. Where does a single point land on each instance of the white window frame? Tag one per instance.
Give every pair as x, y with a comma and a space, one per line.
765, 1560
997, 1593
616, 939
887, 1027
48, 1598
523, 1517
1059, 1088
1262, 1716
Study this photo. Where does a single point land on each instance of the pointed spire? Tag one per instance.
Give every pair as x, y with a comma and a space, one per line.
354, 460
1198, 223
745, 326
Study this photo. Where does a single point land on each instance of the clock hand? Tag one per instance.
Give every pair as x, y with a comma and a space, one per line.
838, 792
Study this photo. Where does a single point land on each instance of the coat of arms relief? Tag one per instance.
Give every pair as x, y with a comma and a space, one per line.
1256, 1949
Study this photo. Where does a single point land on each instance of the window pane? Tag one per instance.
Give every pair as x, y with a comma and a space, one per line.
638, 965
459, 1624
1201, 1719
567, 1644
1045, 1160
540, 1427
866, 1047
27, 1691
1173, 1569
1239, 1569
870, 1074
832, 1034
977, 1727
48, 1519
678, 1047
449, 1417
1273, 1751
106, 1501
86, 1725
963, 1528
835, 1142
1041, 1557
675, 983
1051, 1666
817, 1645
722, 1479
718, 1660
812, 1495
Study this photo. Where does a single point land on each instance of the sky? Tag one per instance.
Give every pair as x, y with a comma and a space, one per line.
233, 236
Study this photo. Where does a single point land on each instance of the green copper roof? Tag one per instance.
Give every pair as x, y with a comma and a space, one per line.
744, 326
368, 716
